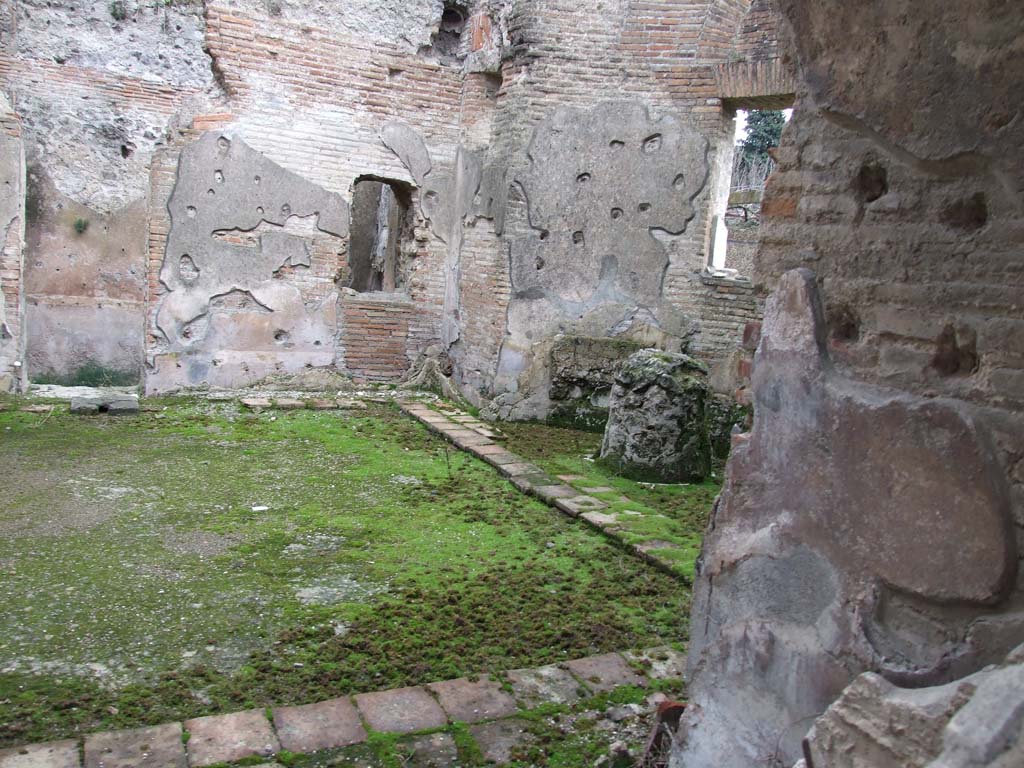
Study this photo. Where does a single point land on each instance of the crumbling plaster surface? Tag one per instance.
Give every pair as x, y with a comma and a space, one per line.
85, 33
606, 190
235, 308
891, 378
85, 292
94, 135
410, 24
12, 238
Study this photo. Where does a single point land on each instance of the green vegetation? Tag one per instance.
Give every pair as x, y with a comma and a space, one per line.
764, 129
91, 374
81, 225
200, 559
673, 514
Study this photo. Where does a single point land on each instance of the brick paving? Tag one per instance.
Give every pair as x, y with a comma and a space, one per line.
159, 746
401, 710
489, 704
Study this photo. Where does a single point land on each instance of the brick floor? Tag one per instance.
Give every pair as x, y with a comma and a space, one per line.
605, 673
662, 663
157, 747
401, 710
473, 701
313, 727
53, 754
544, 685
499, 741
432, 750
226, 738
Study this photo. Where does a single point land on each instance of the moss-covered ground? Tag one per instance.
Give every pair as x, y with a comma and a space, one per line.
202, 559
670, 514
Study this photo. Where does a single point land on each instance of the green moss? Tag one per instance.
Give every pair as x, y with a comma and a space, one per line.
140, 545
578, 414
676, 514
91, 374
470, 753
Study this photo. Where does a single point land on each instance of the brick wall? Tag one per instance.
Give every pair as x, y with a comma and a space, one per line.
665, 53
758, 37
727, 305
314, 99
379, 336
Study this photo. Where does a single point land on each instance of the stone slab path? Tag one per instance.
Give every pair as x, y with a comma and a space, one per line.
567, 493
488, 704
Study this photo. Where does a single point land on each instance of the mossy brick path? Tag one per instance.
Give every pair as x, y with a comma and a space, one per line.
649, 534
485, 712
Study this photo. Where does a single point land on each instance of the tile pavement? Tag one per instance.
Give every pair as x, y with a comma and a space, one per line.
490, 706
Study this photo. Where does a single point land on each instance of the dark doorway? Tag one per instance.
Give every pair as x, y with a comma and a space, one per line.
379, 224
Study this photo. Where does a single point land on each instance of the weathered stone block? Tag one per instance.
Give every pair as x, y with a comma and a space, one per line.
324, 725
401, 710
227, 738
159, 746
657, 424
472, 701
54, 754
605, 672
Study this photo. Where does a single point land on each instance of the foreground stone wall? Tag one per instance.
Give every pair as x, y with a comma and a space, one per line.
890, 370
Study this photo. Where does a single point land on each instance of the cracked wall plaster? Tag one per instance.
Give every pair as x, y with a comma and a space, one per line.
605, 190
12, 238
93, 130
236, 309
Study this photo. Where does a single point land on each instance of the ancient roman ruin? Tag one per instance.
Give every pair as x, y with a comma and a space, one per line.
521, 204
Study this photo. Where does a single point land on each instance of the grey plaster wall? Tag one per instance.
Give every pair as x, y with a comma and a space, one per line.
244, 297
605, 190
12, 238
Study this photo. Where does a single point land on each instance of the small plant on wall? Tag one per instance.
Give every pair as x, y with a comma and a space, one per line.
81, 225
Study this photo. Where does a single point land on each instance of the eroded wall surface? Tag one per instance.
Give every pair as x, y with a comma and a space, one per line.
248, 272
890, 369
12, 221
100, 86
658, 61
114, 93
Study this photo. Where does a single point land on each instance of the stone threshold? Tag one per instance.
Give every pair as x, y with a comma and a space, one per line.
488, 704
563, 492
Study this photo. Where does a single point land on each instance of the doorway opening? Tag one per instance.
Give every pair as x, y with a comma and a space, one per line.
380, 227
